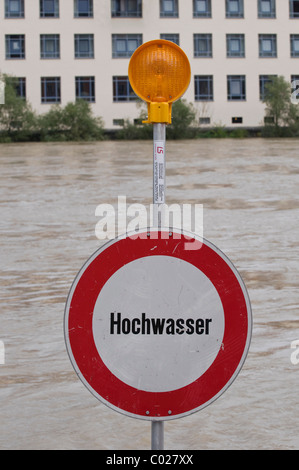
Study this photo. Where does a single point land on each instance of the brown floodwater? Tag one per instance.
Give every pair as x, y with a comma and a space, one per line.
48, 197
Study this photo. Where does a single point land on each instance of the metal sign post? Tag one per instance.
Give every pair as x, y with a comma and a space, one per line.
159, 134
159, 85
157, 435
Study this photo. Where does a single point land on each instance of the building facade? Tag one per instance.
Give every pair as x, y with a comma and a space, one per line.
61, 50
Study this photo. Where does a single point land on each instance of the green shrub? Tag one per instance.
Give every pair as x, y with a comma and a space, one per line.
131, 131
183, 116
17, 120
280, 110
239, 134
74, 122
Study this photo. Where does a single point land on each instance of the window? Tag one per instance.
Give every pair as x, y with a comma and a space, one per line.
169, 9
263, 81
49, 46
122, 90
203, 87
266, 9
202, 45
118, 122
123, 45
269, 120
83, 8
171, 37
205, 120
295, 89
294, 38
85, 88
236, 90
234, 9
50, 90
14, 8
294, 8
49, 8
20, 86
235, 45
237, 120
126, 8
84, 46
295, 82
267, 45
15, 46
202, 9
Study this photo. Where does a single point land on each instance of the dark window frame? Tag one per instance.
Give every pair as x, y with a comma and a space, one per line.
46, 12
50, 90
206, 40
239, 13
203, 88
173, 13
233, 96
122, 90
80, 11
88, 39
85, 88
9, 13
9, 47
123, 8
127, 52
44, 53
206, 12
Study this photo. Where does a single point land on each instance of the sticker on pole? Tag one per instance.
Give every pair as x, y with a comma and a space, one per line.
159, 171
155, 330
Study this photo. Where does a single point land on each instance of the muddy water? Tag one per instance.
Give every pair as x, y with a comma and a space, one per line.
48, 197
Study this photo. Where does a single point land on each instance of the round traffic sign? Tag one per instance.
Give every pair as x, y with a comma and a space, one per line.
158, 324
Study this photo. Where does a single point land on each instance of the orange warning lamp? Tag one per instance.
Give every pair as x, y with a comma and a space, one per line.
159, 73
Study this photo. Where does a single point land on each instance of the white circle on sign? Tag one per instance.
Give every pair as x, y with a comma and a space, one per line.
158, 323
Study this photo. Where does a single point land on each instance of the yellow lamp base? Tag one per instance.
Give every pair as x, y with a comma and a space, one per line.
159, 112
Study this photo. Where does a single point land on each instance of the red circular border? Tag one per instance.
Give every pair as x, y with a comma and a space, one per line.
80, 334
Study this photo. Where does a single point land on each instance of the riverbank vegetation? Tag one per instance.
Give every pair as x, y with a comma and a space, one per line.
282, 115
19, 123
75, 121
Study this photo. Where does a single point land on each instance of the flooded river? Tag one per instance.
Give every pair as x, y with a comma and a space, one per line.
48, 197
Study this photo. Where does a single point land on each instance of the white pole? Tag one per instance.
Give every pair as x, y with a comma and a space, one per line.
159, 174
157, 435
159, 132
